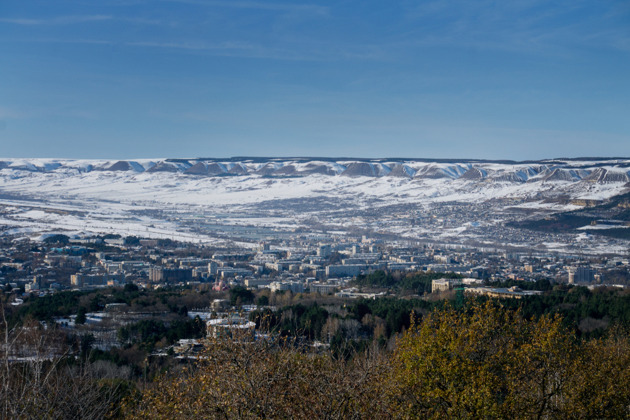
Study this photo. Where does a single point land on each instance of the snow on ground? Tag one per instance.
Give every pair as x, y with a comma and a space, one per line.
43, 195
603, 227
178, 188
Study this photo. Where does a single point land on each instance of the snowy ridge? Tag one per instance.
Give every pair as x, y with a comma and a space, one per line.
604, 171
226, 182
206, 181
192, 199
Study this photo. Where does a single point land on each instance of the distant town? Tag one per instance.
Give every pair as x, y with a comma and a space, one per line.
305, 265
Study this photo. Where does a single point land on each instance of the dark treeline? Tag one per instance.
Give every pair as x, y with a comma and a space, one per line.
589, 313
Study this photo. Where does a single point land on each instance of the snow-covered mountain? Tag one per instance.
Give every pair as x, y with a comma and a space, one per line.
201, 181
596, 170
289, 193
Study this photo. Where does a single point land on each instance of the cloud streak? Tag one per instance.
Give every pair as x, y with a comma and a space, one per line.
519, 26
258, 5
228, 49
60, 20
71, 20
301, 52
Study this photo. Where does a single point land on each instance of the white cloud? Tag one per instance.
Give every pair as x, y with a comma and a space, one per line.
59, 20
261, 5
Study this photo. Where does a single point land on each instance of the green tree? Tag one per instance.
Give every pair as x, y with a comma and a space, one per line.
239, 293
262, 300
80, 319
57, 239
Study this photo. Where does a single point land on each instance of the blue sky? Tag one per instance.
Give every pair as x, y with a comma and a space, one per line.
428, 79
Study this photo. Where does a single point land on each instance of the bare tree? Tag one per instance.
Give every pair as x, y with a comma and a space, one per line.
42, 379
243, 379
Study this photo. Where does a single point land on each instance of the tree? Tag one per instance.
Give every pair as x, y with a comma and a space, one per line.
39, 381
81, 318
132, 240
267, 379
130, 288
239, 293
599, 386
480, 361
493, 362
450, 366
57, 239
262, 300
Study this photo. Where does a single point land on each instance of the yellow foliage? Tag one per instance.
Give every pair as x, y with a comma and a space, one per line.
487, 362
492, 363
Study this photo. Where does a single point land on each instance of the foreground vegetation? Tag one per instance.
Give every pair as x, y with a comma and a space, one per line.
564, 354
484, 362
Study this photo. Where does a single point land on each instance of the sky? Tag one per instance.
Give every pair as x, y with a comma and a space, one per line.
518, 79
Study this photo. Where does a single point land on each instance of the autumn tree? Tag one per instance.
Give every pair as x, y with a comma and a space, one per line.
492, 362
599, 386
238, 379
481, 361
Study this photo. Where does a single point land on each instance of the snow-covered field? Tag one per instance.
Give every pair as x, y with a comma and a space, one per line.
195, 199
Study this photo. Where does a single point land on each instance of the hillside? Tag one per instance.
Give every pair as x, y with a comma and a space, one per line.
471, 202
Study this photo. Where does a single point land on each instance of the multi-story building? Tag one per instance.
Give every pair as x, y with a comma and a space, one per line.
443, 285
